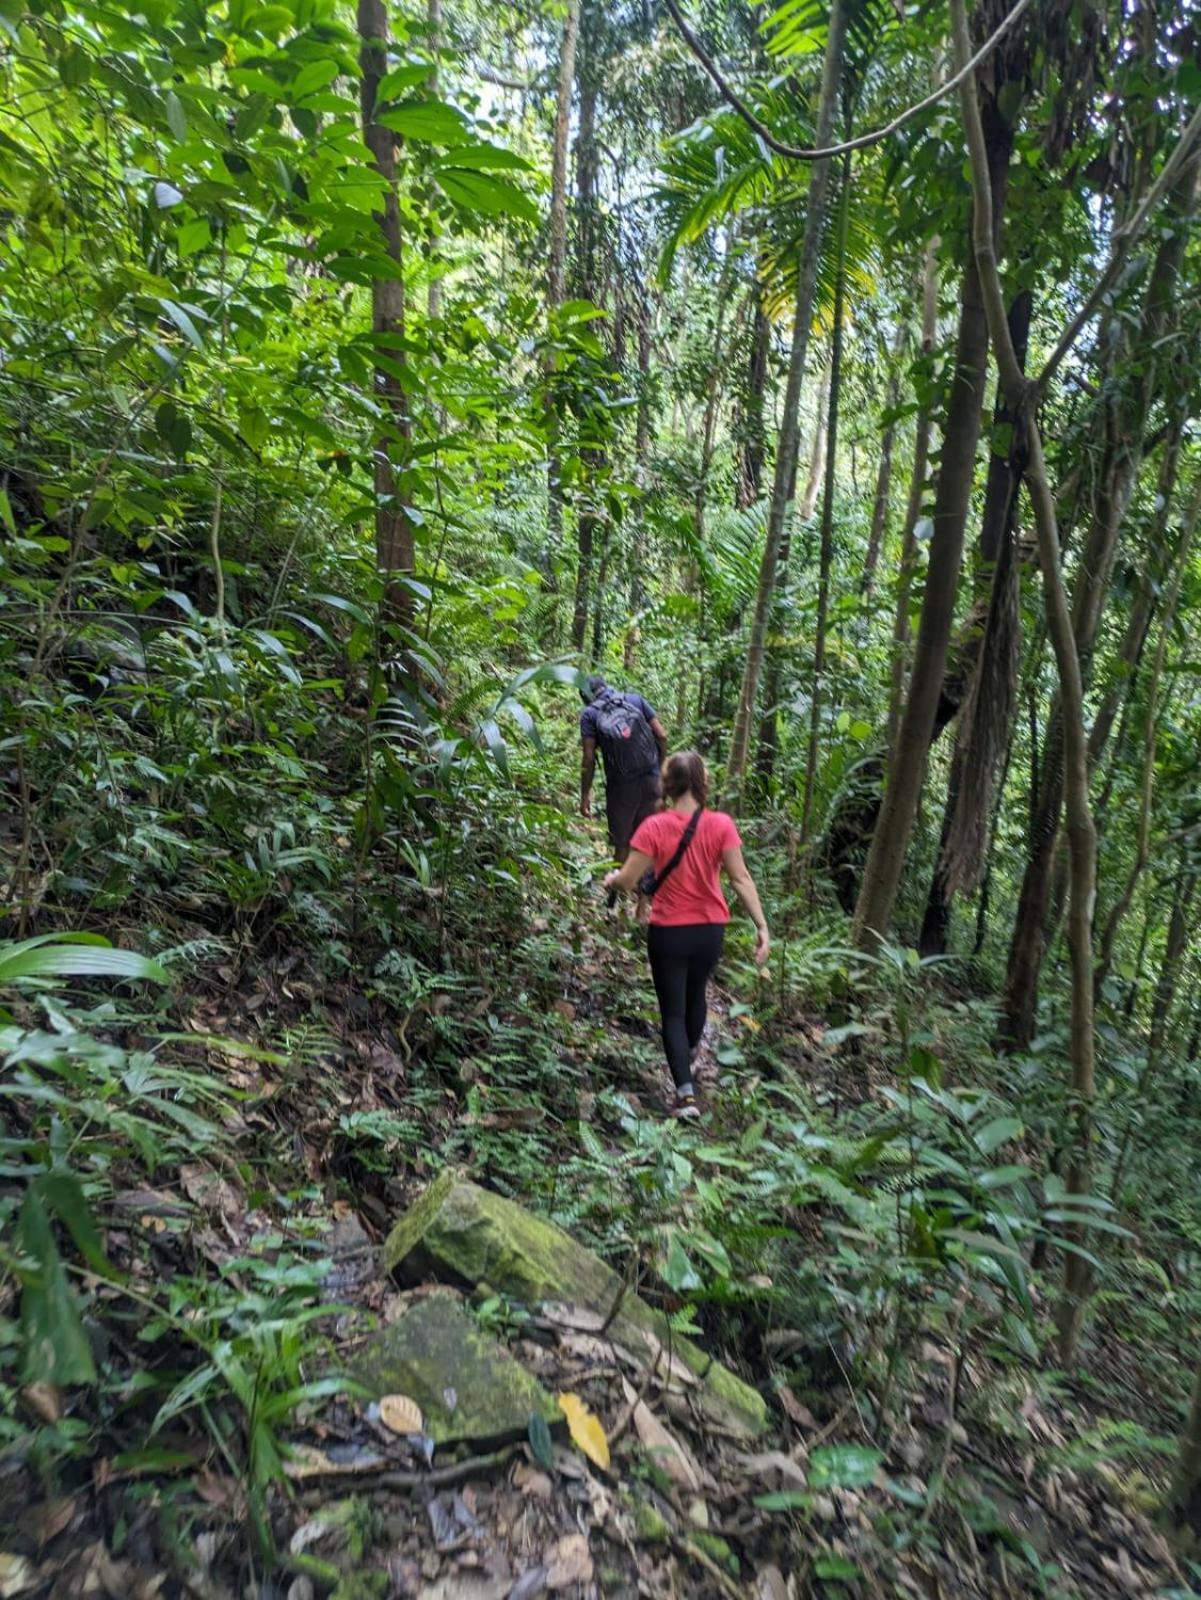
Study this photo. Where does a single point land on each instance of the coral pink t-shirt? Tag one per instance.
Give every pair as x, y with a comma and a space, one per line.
693, 892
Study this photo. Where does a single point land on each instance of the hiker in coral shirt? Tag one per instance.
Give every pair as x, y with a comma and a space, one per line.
677, 857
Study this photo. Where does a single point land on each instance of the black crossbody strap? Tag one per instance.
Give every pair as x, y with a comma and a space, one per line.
685, 841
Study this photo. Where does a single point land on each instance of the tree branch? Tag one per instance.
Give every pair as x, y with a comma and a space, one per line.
1122, 241
864, 140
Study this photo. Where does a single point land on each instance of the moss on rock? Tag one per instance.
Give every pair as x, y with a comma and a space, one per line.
458, 1230
467, 1385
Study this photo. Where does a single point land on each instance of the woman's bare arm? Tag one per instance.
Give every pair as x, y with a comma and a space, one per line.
627, 877
744, 888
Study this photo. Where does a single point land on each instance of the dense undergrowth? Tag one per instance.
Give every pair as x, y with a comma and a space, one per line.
378, 949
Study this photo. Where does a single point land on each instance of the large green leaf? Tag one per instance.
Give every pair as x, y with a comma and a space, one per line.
71, 957
483, 195
54, 1346
427, 121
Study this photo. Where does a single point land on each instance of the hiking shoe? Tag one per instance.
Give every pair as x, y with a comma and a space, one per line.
685, 1106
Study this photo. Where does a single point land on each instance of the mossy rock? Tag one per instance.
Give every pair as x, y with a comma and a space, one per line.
459, 1231
468, 1386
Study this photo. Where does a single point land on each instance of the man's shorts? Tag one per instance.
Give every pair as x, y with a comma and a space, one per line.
629, 803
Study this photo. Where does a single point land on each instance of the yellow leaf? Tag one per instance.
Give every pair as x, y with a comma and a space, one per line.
399, 1414
586, 1430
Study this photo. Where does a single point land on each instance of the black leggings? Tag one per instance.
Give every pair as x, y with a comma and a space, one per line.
682, 960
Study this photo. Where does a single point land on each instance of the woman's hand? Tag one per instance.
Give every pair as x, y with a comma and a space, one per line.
762, 946
612, 877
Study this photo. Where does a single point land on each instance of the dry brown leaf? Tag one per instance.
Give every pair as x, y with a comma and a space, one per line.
152, 1224
770, 1585
45, 1400
569, 1562
399, 1414
771, 1462
216, 1490
212, 1192
17, 1575
578, 1317
665, 1449
565, 1009
48, 1520
532, 1482
794, 1410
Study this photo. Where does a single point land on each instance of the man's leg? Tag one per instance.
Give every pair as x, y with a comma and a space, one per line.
669, 969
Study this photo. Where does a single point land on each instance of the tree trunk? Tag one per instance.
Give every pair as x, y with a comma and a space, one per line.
1082, 842
913, 510
786, 451
593, 456
817, 459
753, 444
1186, 1485
1126, 411
986, 719
875, 540
555, 280
961, 433
433, 292
826, 559
1142, 850
394, 538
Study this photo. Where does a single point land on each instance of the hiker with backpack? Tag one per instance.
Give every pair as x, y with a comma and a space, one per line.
632, 742
677, 858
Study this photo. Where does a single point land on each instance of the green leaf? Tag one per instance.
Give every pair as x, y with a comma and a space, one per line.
193, 236
177, 119
36, 958
538, 1433
996, 1133
843, 1466
63, 1194
400, 79
481, 195
6, 513
427, 121
835, 1567
483, 157
783, 1500
183, 322
677, 1271
55, 1347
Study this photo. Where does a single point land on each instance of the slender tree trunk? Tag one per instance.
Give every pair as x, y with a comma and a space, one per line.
986, 718
1142, 849
753, 445
1126, 418
593, 456
555, 281
1082, 841
817, 458
786, 451
433, 292
890, 839
394, 537
826, 558
913, 510
875, 540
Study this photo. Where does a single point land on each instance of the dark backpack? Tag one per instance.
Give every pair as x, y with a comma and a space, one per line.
629, 747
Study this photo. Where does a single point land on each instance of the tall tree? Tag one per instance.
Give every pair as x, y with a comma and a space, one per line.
555, 279
394, 532
789, 440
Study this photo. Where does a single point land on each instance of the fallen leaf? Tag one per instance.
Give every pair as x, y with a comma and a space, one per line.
771, 1462
770, 1585
665, 1449
569, 1562
532, 1482
793, 1408
47, 1521
399, 1414
565, 1009
586, 1430
580, 1318
529, 1584
210, 1191
45, 1400
16, 1575
216, 1490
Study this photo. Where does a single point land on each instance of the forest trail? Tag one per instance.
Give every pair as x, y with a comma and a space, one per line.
680, 1508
